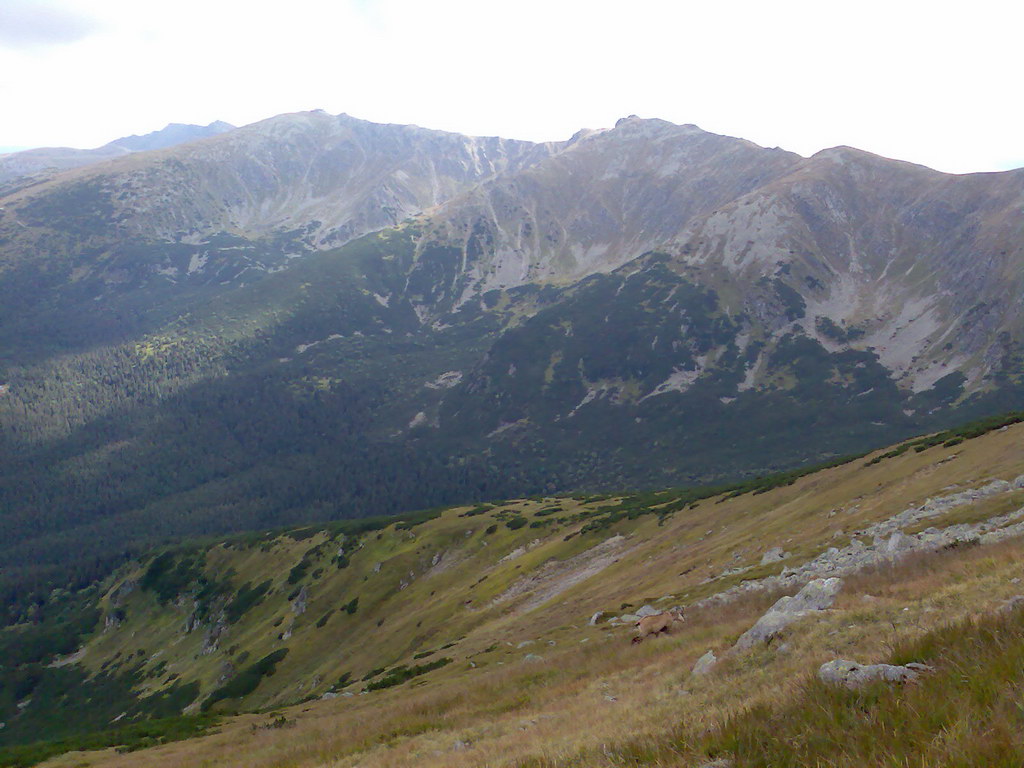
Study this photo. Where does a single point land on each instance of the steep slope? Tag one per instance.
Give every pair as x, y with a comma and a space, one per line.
608, 197
845, 291
152, 230
32, 162
919, 266
503, 618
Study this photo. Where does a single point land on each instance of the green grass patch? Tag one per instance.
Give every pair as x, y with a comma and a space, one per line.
127, 738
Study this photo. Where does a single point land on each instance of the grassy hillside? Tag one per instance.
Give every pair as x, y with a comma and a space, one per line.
463, 637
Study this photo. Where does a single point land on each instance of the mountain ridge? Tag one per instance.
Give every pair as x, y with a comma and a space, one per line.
42, 160
641, 306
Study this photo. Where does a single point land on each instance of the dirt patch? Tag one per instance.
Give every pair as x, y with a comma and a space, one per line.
554, 577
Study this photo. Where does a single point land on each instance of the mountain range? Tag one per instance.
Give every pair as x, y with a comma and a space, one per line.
316, 317
31, 162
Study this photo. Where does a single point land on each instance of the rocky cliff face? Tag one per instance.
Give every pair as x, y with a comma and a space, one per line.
918, 266
846, 248
604, 199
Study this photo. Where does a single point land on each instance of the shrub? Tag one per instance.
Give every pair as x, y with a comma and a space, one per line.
248, 680
246, 598
298, 571
401, 674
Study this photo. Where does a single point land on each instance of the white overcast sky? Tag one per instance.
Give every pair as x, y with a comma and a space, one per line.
932, 82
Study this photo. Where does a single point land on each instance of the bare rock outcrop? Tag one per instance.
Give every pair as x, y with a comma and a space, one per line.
300, 602
817, 595
849, 674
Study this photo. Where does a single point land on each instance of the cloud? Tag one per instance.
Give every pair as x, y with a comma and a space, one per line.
33, 24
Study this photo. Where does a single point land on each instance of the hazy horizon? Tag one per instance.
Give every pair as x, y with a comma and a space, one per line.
919, 82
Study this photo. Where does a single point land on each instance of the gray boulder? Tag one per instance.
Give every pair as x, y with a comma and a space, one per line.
300, 602
596, 618
774, 555
817, 595
704, 664
647, 610
843, 673
899, 542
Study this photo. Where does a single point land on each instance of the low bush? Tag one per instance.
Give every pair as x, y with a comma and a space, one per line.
402, 674
248, 680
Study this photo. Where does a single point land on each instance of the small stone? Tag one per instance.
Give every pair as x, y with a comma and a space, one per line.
596, 618
1012, 604
774, 555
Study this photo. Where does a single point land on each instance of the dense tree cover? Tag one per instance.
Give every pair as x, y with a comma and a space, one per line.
313, 395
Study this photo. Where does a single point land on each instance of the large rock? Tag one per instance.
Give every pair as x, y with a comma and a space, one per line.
899, 542
816, 595
647, 610
300, 602
849, 674
704, 664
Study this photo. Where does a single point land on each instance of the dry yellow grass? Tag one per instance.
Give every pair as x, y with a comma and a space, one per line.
593, 699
